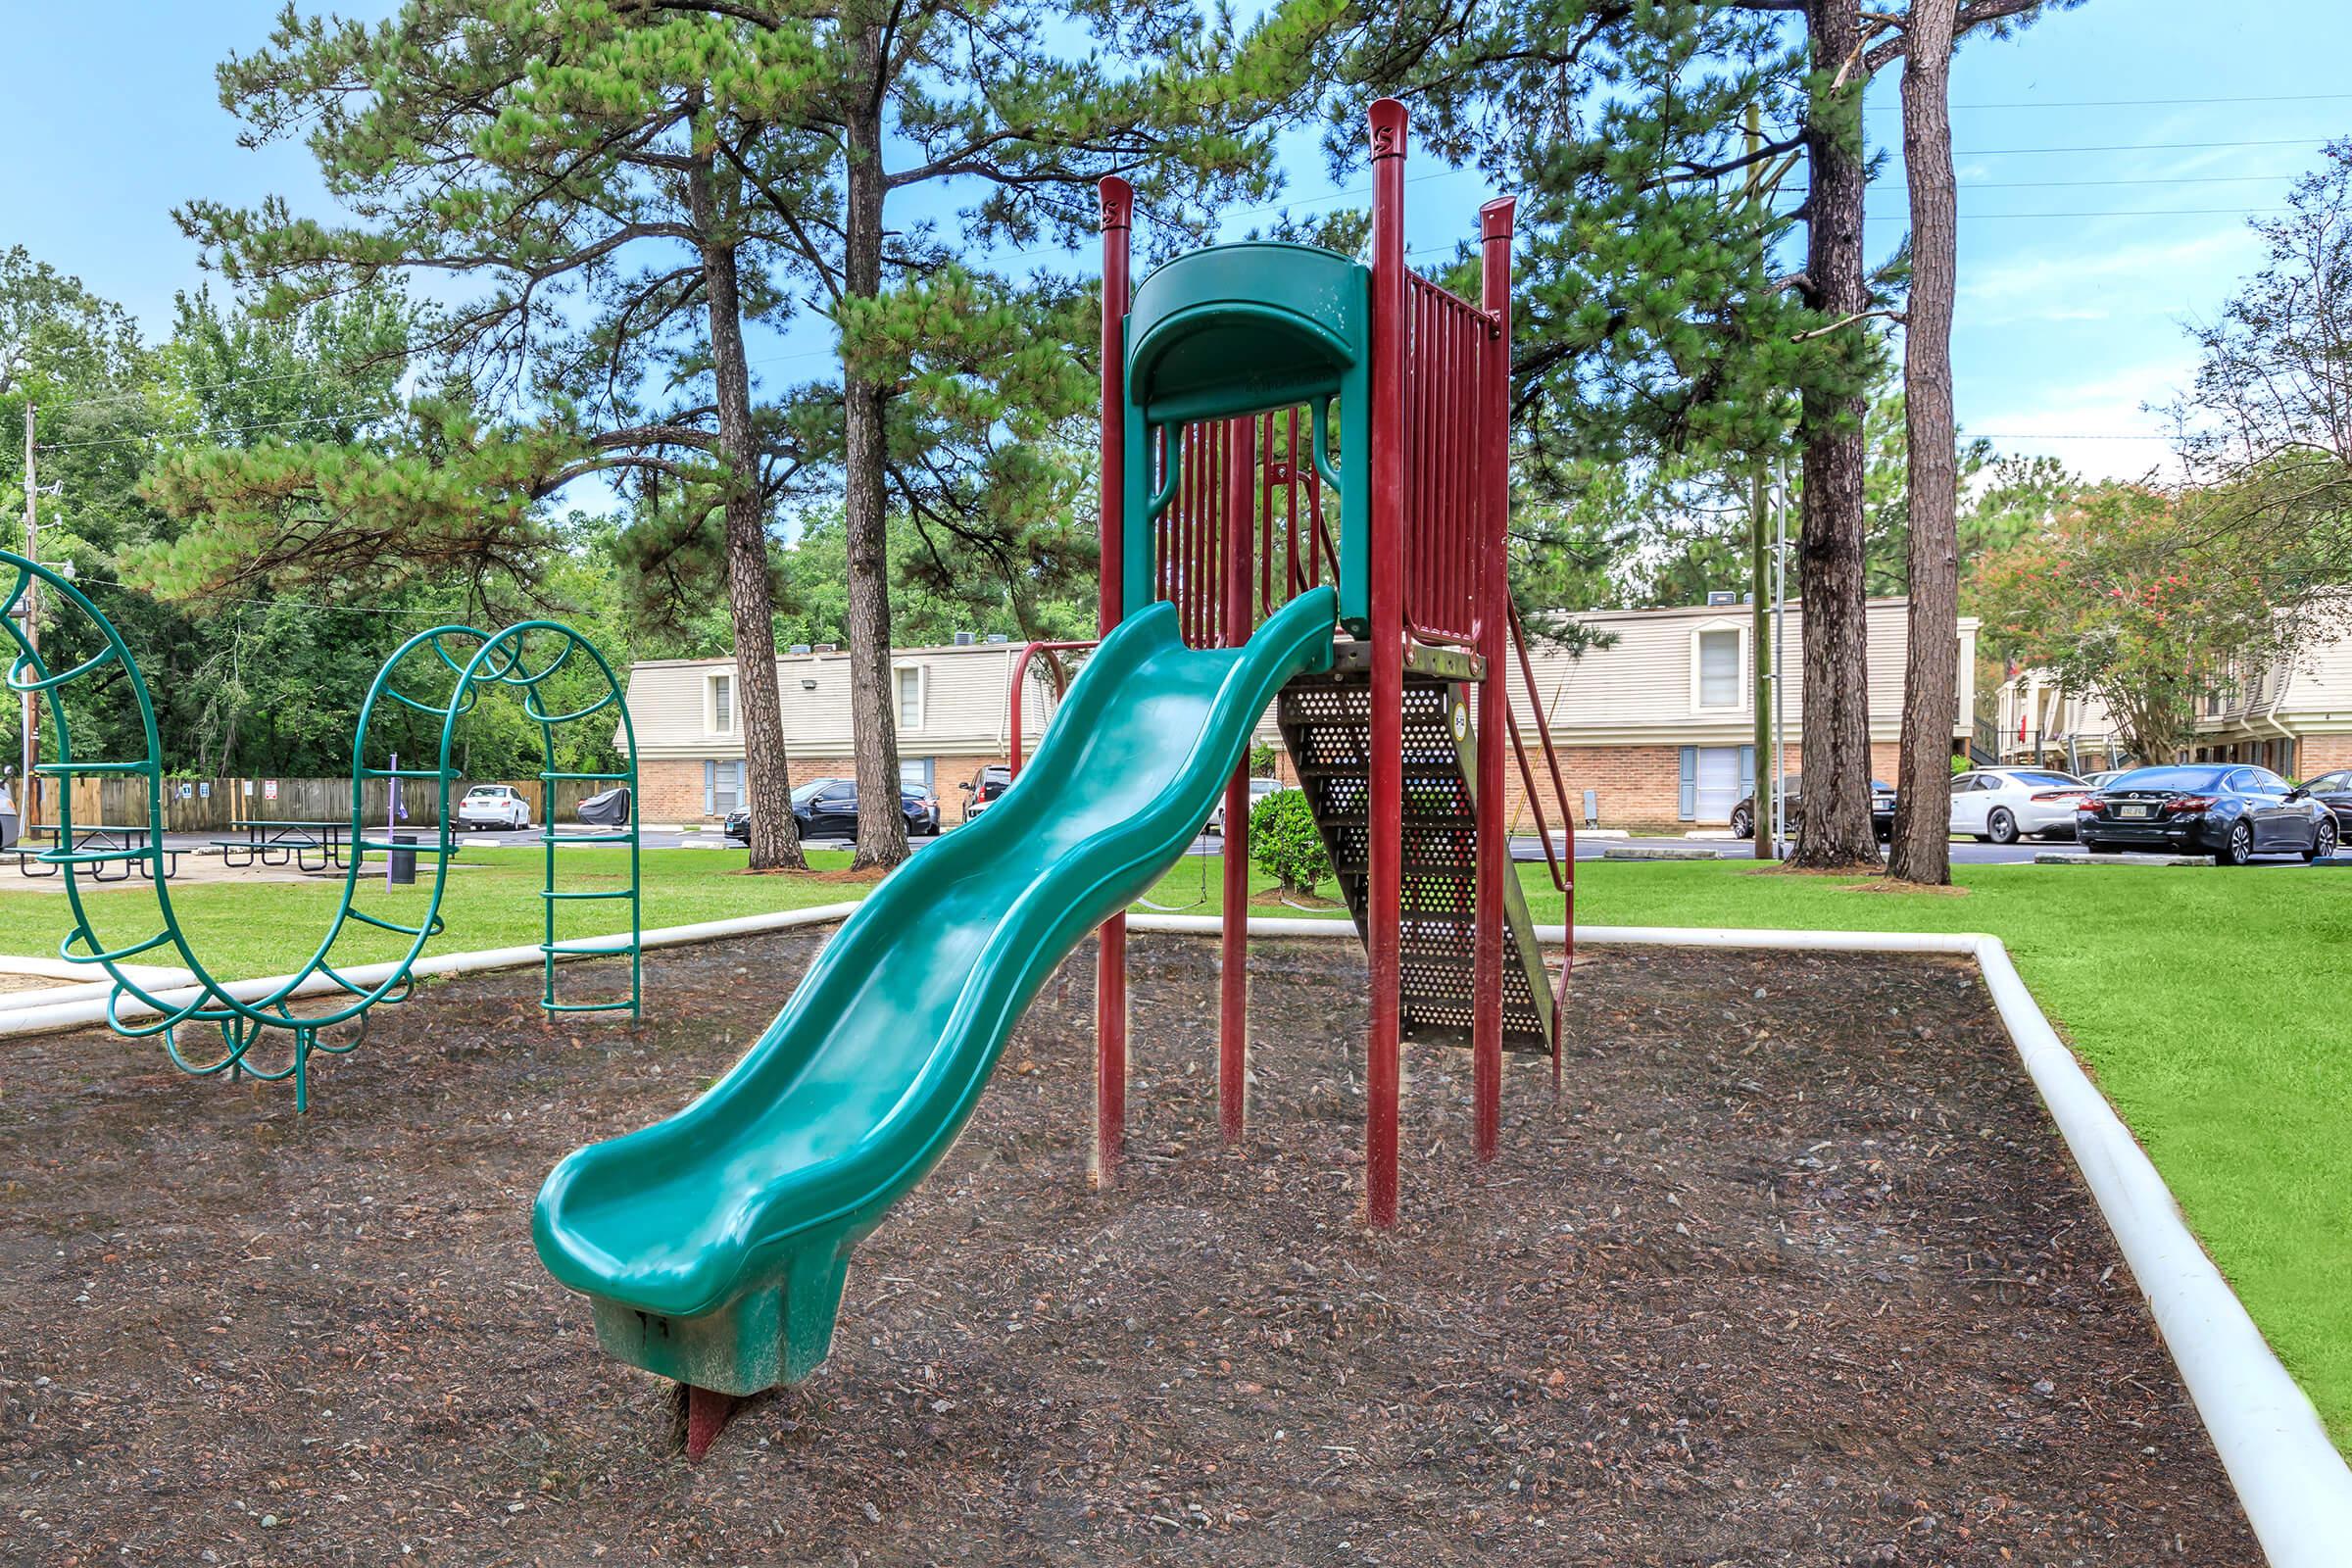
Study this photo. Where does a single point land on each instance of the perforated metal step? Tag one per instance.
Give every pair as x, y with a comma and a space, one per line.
1326, 722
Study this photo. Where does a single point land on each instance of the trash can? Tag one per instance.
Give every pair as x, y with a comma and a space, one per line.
10, 823
404, 861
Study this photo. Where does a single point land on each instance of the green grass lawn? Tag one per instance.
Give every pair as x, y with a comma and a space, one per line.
2210, 1004
243, 929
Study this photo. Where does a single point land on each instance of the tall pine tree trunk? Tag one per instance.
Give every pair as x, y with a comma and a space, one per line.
881, 825
1931, 677
775, 838
1836, 829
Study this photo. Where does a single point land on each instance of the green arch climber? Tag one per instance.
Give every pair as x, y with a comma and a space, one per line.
496, 659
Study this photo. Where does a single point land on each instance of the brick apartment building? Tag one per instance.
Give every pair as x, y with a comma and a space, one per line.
953, 707
1658, 725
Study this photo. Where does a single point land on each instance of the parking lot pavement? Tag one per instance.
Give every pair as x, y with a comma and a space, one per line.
1525, 848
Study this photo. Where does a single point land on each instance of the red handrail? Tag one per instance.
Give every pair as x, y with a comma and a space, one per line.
1562, 868
1020, 682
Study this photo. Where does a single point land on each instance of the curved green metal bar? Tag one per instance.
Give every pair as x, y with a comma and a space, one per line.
497, 659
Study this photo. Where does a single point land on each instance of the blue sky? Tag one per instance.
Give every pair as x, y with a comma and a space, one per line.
2109, 159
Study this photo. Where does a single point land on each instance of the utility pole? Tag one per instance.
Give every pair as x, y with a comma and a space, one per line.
1759, 579
28, 808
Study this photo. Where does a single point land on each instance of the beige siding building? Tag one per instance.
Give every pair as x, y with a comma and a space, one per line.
1658, 727
2294, 718
953, 707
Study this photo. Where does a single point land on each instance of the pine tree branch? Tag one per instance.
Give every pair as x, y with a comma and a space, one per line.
1836, 326
1975, 13
1687, 170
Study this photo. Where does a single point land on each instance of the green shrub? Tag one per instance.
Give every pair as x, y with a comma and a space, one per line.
1283, 843
1262, 760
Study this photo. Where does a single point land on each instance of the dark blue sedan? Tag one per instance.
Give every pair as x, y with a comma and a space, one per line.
2231, 810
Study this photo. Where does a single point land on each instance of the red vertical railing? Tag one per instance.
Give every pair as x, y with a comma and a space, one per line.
1449, 348
1245, 489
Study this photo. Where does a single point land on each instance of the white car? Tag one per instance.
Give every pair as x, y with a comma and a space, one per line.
496, 806
2007, 804
1260, 789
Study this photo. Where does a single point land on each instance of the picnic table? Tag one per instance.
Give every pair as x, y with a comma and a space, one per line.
97, 846
278, 842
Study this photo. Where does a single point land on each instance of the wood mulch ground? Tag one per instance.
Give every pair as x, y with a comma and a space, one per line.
1796, 1273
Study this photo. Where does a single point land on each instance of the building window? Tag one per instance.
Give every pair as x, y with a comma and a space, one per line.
720, 698
1715, 668
722, 788
911, 696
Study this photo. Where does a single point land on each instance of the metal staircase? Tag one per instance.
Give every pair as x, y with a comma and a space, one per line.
1326, 723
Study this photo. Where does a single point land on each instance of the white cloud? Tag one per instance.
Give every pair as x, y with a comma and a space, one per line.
2102, 427
2083, 280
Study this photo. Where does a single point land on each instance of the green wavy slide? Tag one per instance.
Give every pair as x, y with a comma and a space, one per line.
714, 1243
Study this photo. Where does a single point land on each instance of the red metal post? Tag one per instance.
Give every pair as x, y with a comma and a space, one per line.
1233, 1004
1492, 504
1110, 959
1233, 994
1385, 582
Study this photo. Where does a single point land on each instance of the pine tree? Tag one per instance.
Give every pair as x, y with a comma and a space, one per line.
955, 378
1655, 323
591, 170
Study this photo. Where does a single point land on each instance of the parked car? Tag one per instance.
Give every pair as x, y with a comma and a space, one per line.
1882, 808
2229, 809
828, 808
2100, 782
982, 788
1260, 789
499, 805
2334, 792
2006, 803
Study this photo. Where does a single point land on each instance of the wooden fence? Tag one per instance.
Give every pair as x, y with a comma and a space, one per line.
203, 806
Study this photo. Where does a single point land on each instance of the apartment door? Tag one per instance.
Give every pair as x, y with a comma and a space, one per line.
1717, 784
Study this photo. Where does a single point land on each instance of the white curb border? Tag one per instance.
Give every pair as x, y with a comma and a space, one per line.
2295, 1486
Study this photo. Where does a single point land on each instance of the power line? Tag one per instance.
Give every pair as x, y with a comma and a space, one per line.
2139, 146
201, 386
235, 429
289, 604
2139, 103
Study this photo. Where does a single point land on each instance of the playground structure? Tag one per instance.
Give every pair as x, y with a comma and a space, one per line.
714, 1245
520, 657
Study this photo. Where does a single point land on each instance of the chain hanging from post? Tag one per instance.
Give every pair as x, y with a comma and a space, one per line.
240, 1013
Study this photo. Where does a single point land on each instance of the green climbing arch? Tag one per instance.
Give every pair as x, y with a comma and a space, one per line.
239, 1014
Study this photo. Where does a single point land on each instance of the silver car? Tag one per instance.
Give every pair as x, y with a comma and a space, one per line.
2003, 805
1260, 789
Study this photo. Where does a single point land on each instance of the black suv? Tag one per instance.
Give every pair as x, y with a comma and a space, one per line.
1881, 809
